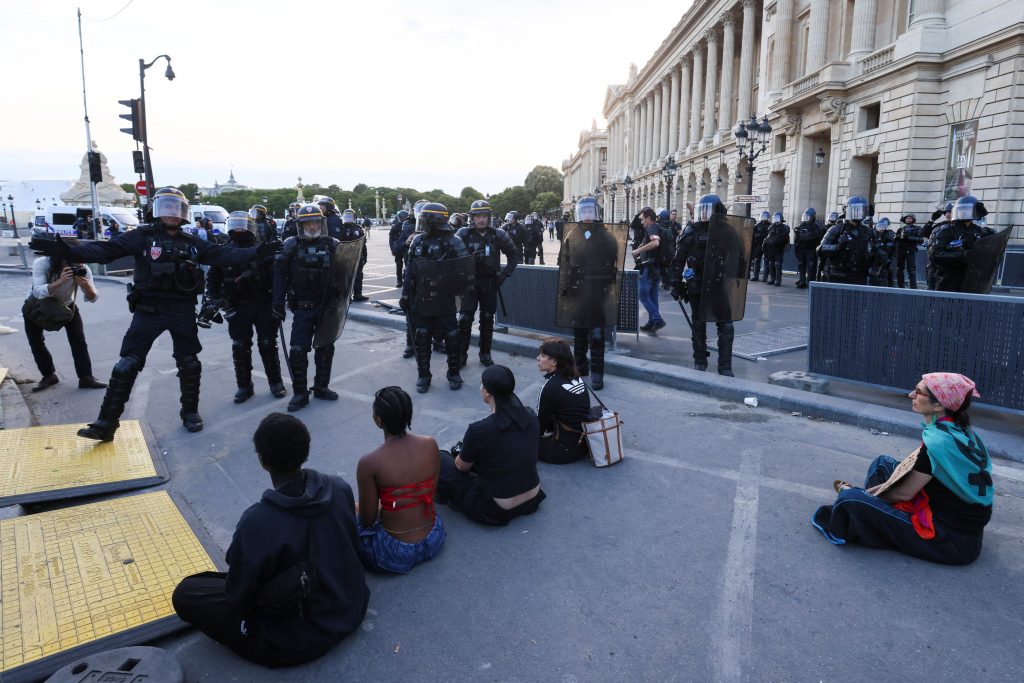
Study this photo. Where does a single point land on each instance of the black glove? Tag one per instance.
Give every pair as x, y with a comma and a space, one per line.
208, 313
54, 248
268, 248
678, 290
229, 313
403, 303
277, 311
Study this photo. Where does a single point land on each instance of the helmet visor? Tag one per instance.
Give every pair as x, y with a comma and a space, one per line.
586, 212
963, 211
348, 217
244, 224
170, 206
257, 215
855, 212
703, 212
807, 218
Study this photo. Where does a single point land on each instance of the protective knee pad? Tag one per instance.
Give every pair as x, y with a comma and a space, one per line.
267, 344
466, 321
127, 366
596, 334
486, 321
189, 364
241, 344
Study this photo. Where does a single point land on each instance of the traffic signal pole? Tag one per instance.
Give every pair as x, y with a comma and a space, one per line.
97, 225
142, 129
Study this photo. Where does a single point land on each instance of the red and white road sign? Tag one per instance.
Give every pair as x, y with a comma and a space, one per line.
140, 187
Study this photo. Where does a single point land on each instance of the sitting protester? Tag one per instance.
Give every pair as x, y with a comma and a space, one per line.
294, 587
493, 477
398, 524
936, 503
564, 404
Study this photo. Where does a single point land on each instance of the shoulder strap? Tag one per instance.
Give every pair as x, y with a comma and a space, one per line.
594, 394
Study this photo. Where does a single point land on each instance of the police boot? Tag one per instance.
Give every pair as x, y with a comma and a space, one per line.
597, 361
410, 351
580, 346
700, 345
323, 358
189, 372
465, 336
122, 379
357, 288
439, 344
298, 361
422, 340
272, 365
454, 357
726, 333
241, 354
486, 336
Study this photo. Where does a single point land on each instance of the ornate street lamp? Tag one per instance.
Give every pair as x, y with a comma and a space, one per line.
669, 171
612, 190
751, 141
627, 184
819, 157
14, 219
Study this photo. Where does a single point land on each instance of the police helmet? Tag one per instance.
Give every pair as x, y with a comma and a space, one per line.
948, 207
809, 214
908, 219
327, 205
258, 212
293, 208
777, 217
882, 225
856, 208
765, 215
402, 215
434, 217
348, 216
529, 219
586, 209
833, 216
968, 208
170, 202
240, 221
663, 216
512, 216
309, 213
708, 205
480, 207
418, 207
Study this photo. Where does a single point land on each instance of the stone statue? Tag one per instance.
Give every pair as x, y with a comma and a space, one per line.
108, 192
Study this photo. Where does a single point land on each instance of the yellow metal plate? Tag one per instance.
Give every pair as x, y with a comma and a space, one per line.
47, 463
86, 578
3, 375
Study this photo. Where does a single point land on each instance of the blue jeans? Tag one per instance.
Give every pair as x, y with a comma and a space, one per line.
380, 551
647, 292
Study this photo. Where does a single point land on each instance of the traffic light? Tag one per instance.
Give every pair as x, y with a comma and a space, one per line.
135, 118
138, 162
95, 171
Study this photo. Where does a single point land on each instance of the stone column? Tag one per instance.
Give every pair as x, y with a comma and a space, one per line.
684, 101
635, 132
695, 96
673, 113
816, 41
783, 44
666, 114
710, 83
744, 106
650, 128
656, 127
862, 40
725, 90
643, 134
929, 13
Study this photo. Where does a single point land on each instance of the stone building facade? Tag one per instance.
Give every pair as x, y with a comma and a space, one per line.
587, 170
911, 102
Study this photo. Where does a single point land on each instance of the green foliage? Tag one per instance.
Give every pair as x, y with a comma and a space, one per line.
128, 187
543, 179
546, 203
470, 194
190, 190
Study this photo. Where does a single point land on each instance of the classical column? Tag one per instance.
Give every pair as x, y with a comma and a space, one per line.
656, 128
642, 156
784, 42
725, 91
710, 83
635, 133
673, 113
695, 95
929, 13
666, 115
650, 128
818, 35
862, 39
746, 86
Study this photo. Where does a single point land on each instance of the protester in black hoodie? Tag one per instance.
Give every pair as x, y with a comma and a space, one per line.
308, 517
564, 404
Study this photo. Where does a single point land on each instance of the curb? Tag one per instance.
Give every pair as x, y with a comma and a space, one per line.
14, 411
771, 396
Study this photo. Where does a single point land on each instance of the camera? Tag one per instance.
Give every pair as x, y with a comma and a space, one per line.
78, 271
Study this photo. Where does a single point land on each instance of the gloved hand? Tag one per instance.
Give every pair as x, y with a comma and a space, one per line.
268, 248
277, 311
502, 277
229, 313
403, 303
54, 248
208, 314
678, 290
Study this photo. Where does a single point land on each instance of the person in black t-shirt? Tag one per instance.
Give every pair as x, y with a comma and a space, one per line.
564, 404
491, 475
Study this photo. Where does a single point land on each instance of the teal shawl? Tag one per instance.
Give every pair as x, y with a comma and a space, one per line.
959, 461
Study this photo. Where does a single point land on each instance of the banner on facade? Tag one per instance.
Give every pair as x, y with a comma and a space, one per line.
963, 139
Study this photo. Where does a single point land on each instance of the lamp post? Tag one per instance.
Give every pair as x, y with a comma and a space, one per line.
819, 157
169, 74
751, 141
627, 184
613, 189
14, 218
669, 171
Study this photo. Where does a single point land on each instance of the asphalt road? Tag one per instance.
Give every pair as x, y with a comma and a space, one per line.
692, 560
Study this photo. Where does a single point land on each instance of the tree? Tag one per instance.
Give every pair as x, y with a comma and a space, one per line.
190, 190
544, 179
511, 199
470, 194
546, 203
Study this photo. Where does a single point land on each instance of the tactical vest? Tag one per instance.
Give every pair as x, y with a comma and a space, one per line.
806, 234
431, 247
886, 241
168, 266
310, 266
854, 253
251, 281
483, 247
349, 232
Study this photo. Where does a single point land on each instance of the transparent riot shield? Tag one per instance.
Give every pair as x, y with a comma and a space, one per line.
723, 294
338, 294
983, 261
590, 264
441, 284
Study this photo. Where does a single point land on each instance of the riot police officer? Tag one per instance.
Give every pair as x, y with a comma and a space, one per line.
167, 278
436, 242
880, 274
400, 250
687, 280
757, 247
776, 242
266, 228
560, 226
393, 236
848, 247
244, 294
939, 218
806, 237
951, 243
520, 235
485, 244
329, 208
908, 238
291, 227
350, 231
533, 243
302, 275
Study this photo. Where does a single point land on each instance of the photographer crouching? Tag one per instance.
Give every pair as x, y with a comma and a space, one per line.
51, 305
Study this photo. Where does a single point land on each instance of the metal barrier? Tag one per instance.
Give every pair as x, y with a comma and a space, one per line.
887, 338
530, 301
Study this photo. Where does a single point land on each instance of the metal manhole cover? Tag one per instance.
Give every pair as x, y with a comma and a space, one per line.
767, 342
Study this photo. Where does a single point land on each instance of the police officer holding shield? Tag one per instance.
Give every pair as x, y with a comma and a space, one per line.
352, 230
167, 278
951, 243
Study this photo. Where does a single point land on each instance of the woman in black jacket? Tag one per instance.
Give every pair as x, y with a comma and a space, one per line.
564, 404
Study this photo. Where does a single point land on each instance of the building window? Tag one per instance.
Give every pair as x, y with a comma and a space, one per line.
910, 11
870, 116
780, 144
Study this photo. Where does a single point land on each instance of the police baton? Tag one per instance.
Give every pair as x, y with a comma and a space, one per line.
689, 322
501, 300
284, 347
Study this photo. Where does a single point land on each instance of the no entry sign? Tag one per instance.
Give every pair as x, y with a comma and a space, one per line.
140, 187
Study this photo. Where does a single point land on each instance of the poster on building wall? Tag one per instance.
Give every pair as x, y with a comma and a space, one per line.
963, 137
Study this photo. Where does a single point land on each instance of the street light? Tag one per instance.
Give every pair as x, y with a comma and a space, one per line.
14, 219
627, 183
819, 157
751, 141
612, 189
669, 171
169, 74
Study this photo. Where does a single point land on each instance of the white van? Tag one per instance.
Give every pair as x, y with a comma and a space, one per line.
218, 215
61, 219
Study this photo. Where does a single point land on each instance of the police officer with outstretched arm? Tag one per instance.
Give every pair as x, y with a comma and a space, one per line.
166, 281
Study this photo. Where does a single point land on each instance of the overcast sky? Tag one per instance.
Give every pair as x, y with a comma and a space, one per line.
439, 94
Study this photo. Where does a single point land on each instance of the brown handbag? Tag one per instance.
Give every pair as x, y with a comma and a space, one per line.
48, 312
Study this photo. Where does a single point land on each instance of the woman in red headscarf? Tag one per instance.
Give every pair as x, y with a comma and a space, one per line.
933, 505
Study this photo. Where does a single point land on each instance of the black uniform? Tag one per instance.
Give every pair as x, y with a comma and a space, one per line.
486, 247
937, 222
302, 275
521, 237
266, 230
559, 228
400, 250
291, 228
847, 250
806, 237
948, 249
757, 250
691, 250
775, 244
350, 232
245, 294
880, 274
167, 278
534, 243
908, 238
393, 234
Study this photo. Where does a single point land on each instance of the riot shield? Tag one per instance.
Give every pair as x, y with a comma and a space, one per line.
983, 261
723, 293
590, 264
441, 284
338, 293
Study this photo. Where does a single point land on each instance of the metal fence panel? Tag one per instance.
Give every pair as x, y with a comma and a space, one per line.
888, 338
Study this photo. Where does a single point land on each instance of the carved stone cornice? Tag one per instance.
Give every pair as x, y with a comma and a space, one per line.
833, 107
